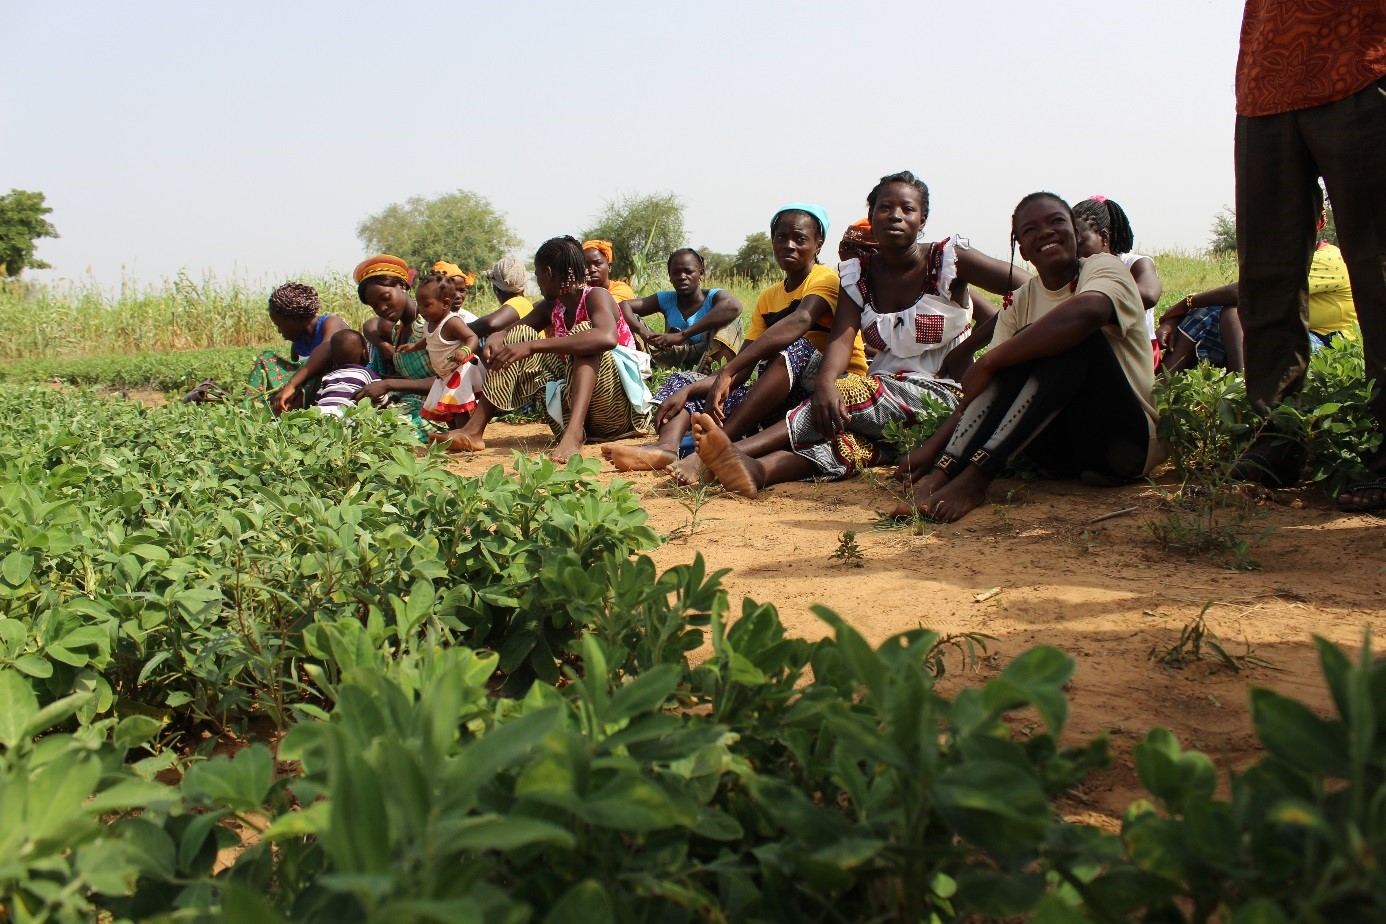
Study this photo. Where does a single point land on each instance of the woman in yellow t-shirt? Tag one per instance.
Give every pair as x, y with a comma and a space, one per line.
509, 279
910, 300
788, 329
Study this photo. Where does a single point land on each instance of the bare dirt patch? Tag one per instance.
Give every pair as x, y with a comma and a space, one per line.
1103, 592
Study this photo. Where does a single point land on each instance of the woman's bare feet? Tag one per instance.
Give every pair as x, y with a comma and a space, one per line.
458, 441
955, 500
738, 472
647, 458
689, 472
565, 450
924, 490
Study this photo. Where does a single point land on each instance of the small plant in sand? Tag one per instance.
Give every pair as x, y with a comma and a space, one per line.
848, 552
1197, 642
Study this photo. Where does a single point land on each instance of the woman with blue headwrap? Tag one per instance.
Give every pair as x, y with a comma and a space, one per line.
784, 342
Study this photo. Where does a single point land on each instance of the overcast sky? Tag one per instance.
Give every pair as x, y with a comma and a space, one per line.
250, 138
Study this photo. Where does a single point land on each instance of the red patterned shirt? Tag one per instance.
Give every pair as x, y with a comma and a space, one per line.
1301, 53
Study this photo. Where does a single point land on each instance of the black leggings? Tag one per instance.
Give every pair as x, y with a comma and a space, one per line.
1071, 413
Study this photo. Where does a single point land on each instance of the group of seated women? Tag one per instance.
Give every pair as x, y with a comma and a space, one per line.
829, 359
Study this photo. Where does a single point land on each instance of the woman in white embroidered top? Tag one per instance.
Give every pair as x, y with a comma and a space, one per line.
1068, 378
910, 302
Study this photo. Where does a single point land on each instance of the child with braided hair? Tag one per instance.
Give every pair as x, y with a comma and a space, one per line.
1104, 228
452, 349
296, 312
586, 370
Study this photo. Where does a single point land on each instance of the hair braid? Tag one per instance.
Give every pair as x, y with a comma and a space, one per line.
564, 256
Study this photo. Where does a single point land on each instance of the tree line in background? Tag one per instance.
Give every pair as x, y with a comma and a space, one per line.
465, 228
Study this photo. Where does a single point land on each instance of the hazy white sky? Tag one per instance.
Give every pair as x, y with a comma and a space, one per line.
249, 138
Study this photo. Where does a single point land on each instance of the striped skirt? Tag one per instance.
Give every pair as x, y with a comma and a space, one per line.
872, 402
610, 415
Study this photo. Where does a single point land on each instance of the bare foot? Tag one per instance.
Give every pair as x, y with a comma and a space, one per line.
566, 450
924, 490
959, 497
647, 458
458, 441
689, 472
738, 472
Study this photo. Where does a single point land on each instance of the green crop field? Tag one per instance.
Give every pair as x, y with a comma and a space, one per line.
294, 669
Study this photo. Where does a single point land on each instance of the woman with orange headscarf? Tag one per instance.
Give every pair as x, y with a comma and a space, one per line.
598, 256
461, 282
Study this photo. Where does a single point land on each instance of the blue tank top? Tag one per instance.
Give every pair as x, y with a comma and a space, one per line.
311, 340
673, 317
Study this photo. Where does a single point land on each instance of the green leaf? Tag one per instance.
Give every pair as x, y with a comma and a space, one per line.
585, 903
994, 805
1260, 911
1036, 678
496, 832
34, 666
241, 783
135, 730
633, 803
18, 708
1290, 731
16, 568
646, 692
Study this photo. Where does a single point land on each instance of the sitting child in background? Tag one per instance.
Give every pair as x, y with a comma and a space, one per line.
348, 375
452, 347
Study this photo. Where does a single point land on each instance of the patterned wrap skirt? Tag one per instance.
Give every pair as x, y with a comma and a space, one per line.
695, 355
872, 402
610, 415
801, 360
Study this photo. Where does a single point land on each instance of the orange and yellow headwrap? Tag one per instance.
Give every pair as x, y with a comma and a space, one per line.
603, 246
381, 265
453, 271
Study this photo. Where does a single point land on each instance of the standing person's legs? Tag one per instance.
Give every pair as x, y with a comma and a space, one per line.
1348, 139
1278, 204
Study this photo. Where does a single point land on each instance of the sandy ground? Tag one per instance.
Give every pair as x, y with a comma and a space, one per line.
1104, 592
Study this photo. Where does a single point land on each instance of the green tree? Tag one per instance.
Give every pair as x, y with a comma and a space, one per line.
1224, 231
22, 223
460, 227
756, 258
716, 265
643, 231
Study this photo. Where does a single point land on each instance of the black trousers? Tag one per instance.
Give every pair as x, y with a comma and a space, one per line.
1070, 413
1279, 159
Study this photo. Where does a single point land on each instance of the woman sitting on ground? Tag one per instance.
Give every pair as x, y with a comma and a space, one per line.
701, 326
1104, 228
1067, 379
296, 312
597, 256
789, 328
1209, 325
1202, 327
383, 284
910, 301
589, 357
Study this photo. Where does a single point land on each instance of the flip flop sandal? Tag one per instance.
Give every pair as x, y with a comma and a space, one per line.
1363, 487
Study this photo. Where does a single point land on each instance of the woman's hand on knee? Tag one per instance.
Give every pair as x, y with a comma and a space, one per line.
829, 410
